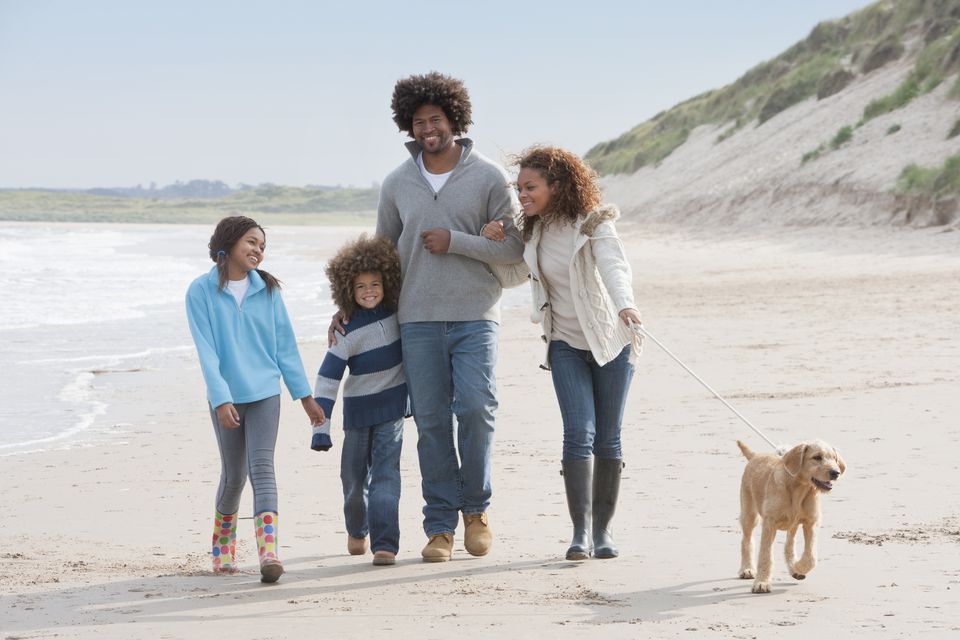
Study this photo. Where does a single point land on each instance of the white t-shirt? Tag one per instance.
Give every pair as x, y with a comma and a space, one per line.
238, 289
555, 253
436, 180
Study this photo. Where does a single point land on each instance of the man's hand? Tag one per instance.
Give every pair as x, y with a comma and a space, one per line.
337, 324
436, 240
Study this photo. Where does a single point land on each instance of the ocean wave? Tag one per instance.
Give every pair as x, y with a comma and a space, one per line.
79, 391
113, 359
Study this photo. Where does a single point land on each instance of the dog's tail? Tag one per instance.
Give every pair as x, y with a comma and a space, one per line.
747, 452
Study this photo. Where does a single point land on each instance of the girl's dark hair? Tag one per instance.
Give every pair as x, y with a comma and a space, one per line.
448, 93
576, 193
364, 255
229, 231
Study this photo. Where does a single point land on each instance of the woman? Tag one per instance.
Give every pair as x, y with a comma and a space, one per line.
583, 298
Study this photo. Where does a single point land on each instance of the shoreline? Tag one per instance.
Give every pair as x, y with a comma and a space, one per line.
56, 347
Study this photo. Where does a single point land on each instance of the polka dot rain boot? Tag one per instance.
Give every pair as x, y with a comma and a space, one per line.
224, 542
270, 566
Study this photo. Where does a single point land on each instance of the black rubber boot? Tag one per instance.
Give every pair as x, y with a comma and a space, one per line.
606, 489
577, 478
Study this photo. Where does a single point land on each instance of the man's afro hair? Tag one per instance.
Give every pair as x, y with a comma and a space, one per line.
434, 88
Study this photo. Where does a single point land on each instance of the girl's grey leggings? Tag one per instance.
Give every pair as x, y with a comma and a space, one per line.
245, 450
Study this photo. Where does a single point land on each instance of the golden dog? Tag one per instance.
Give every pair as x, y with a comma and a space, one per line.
785, 492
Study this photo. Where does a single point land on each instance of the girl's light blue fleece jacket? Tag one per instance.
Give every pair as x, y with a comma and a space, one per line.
244, 350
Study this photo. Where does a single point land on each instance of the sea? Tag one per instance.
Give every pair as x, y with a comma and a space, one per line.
83, 299
79, 300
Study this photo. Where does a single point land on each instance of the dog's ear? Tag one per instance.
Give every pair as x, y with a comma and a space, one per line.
843, 465
793, 459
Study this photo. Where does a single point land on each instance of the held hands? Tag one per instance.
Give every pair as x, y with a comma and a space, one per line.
314, 412
227, 416
630, 317
493, 230
436, 240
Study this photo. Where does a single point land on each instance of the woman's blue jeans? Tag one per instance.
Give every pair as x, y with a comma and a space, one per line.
370, 472
449, 367
591, 400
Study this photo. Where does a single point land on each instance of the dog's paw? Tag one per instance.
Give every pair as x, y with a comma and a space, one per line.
804, 566
761, 587
799, 576
747, 574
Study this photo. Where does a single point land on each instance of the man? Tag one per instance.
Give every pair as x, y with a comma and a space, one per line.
433, 206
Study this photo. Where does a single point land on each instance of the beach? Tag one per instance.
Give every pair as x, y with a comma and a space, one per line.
845, 334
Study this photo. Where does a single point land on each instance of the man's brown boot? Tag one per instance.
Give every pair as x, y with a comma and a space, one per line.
477, 536
439, 548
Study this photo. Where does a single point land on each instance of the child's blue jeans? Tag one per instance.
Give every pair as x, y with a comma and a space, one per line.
370, 472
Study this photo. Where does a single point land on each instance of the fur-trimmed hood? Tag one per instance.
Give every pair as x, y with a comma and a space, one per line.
603, 213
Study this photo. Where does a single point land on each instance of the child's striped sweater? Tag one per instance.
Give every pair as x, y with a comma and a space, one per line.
376, 390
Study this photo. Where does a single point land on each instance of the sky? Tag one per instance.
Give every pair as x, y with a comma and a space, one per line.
108, 93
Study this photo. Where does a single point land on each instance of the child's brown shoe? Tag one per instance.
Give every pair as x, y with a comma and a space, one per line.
356, 546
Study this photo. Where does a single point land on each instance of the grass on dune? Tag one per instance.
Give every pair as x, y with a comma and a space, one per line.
871, 36
936, 182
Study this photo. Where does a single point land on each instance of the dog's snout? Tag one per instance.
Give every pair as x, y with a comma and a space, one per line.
834, 474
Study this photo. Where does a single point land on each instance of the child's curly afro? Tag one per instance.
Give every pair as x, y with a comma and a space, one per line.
434, 88
364, 255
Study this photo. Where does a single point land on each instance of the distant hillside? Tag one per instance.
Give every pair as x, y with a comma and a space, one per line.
858, 123
267, 203
192, 189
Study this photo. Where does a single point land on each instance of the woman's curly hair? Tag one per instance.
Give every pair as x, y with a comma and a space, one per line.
364, 255
577, 191
448, 93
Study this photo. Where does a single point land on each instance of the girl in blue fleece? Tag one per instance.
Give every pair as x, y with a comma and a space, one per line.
245, 343
365, 285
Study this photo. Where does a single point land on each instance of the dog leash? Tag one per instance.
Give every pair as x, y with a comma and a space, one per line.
641, 331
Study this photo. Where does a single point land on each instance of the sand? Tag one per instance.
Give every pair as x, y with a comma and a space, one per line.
844, 334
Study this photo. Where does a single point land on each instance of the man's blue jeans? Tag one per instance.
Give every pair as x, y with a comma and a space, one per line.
591, 400
370, 472
449, 368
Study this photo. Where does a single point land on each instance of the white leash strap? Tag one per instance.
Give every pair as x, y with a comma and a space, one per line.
640, 329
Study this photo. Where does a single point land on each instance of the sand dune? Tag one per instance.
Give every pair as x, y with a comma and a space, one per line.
755, 177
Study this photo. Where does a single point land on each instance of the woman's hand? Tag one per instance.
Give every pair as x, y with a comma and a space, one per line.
630, 316
227, 416
314, 412
493, 230
336, 324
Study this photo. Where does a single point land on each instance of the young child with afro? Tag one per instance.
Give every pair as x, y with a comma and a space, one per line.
365, 284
